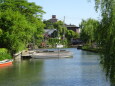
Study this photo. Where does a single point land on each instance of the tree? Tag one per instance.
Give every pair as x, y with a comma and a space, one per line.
71, 34
106, 29
88, 28
106, 36
60, 26
48, 24
18, 29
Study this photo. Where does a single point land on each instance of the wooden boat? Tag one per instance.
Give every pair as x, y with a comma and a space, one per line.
6, 62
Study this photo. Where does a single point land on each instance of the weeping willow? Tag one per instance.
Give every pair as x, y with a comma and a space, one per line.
106, 35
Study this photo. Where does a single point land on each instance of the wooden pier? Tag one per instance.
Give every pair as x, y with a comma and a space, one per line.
46, 54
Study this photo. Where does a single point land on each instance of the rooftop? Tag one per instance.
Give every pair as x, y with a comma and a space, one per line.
71, 26
49, 31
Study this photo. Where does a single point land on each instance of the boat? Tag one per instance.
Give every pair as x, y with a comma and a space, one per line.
52, 54
59, 46
79, 47
6, 62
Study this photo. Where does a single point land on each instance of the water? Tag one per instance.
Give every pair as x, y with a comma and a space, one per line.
81, 70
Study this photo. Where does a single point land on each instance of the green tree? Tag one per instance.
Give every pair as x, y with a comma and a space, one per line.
60, 26
20, 21
48, 24
71, 34
88, 28
106, 36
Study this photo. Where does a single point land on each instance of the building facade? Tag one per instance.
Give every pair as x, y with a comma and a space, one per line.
53, 19
69, 27
73, 28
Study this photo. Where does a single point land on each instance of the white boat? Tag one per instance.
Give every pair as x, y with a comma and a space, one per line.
59, 46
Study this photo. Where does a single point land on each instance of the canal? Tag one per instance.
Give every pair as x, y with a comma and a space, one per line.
83, 69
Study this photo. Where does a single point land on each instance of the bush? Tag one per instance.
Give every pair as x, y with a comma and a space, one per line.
4, 54
3, 50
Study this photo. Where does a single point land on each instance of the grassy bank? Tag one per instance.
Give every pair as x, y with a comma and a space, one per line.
4, 54
91, 49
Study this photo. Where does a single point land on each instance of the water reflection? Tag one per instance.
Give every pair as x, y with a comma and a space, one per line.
109, 68
21, 74
82, 70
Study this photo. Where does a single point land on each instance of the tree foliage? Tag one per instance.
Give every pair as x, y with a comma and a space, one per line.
19, 22
88, 28
59, 25
71, 34
106, 30
48, 24
106, 35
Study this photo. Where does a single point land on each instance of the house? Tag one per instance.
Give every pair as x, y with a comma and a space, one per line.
69, 27
53, 19
73, 27
48, 32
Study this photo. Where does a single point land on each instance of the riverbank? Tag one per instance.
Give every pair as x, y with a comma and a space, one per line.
91, 49
4, 54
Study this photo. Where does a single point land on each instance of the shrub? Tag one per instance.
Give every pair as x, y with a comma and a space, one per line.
4, 54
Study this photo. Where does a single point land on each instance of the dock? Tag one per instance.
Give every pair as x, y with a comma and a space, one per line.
45, 54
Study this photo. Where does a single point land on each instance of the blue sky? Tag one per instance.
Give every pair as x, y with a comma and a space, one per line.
73, 10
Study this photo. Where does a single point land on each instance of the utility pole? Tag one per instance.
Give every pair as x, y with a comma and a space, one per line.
64, 19
64, 27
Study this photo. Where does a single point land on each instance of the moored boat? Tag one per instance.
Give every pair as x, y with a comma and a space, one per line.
79, 47
6, 62
59, 46
52, 54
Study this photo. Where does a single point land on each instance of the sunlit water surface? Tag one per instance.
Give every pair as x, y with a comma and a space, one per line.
83, 69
